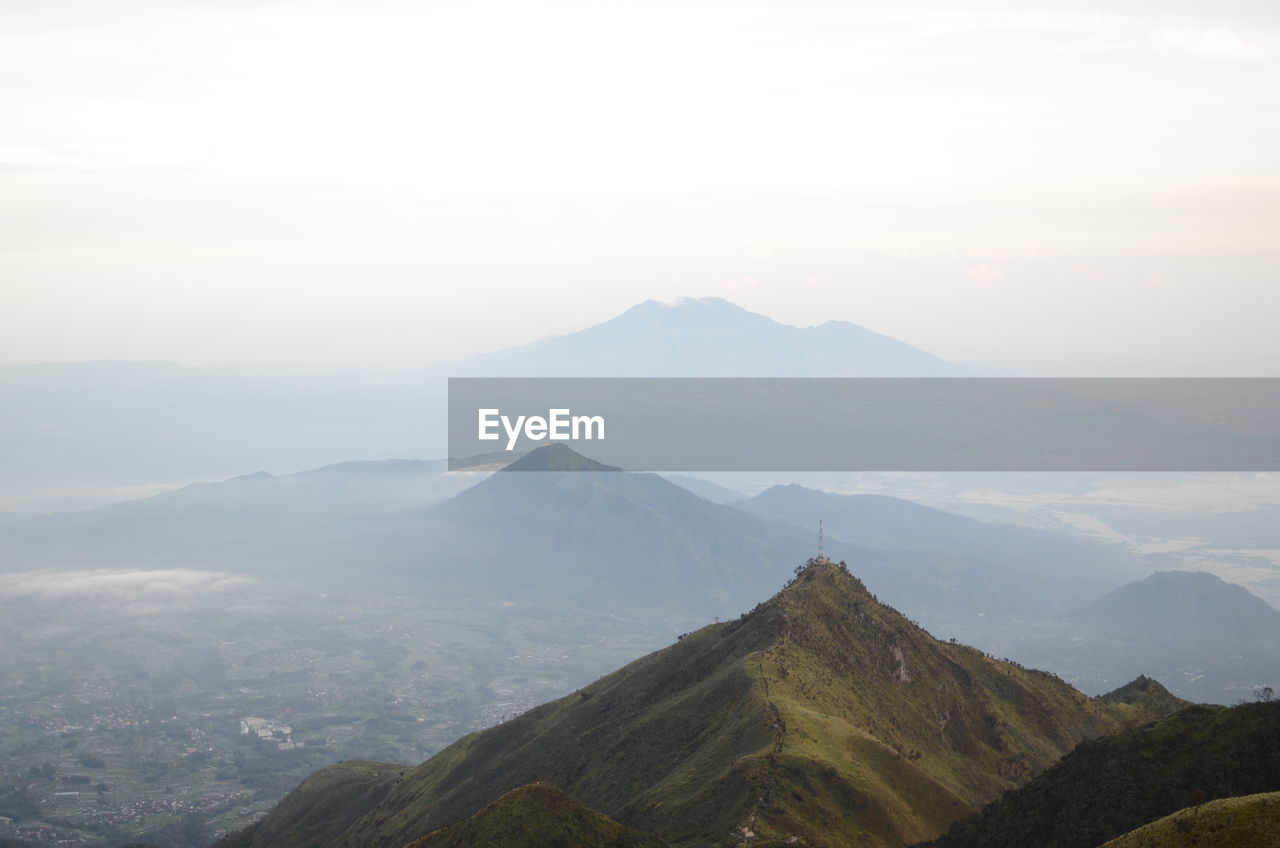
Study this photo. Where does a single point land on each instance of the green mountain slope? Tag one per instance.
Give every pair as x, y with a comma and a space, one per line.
1110, 786
821, 714
537, 816
326, 803
1252, 821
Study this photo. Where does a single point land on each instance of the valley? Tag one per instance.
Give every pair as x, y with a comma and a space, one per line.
173, 686
182, 724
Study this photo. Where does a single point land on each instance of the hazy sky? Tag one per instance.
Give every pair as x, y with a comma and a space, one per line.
408, 183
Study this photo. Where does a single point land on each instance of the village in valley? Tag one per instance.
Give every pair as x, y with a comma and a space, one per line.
182, 727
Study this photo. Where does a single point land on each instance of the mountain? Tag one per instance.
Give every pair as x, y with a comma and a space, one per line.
887, 523
1251, 820
556, 457
575, 534
641, 537
1192, 607
1109, 786
713, 492
537, 816
821, 714
595, 533
259, 522
709, 337
1209, 639
1147, 694
81, 434
631, 544
328, 801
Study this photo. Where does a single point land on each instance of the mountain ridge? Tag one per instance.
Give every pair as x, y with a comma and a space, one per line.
1173, 595
1247, 820
612, 540
1112, 785
163, 422
821, 714
709, 337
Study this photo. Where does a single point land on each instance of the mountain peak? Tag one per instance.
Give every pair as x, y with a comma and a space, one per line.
709, 337
706, 314
1194, 605
762, 726
818, 589
690, 303
820, 575
557, 457
1146, 693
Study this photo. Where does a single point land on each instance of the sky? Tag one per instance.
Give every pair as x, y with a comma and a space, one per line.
1073, 188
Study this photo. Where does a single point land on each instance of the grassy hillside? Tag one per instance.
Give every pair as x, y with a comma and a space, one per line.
326, 803
821, 714
538, 816
1251, 820
1110, 786
916, 731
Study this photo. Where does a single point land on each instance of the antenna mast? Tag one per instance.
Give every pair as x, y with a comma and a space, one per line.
822, 556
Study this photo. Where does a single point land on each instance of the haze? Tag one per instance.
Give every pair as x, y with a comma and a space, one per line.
1083, 188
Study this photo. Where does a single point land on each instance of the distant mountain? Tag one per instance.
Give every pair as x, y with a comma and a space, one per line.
1250, 820
633, 544
257, 522
713, 492
886, 523
1107, 787
1208, 639
709, 337
641, 537
599, 534
74, 433
538, 816
821, 715
1194, 607
556, 457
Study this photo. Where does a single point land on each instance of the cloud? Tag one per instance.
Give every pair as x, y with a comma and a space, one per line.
179, 181
116, 586
1221, 44
985, 276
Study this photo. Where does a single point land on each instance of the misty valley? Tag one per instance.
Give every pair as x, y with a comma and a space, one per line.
186, 709
176, 665
630, 424
549, 651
